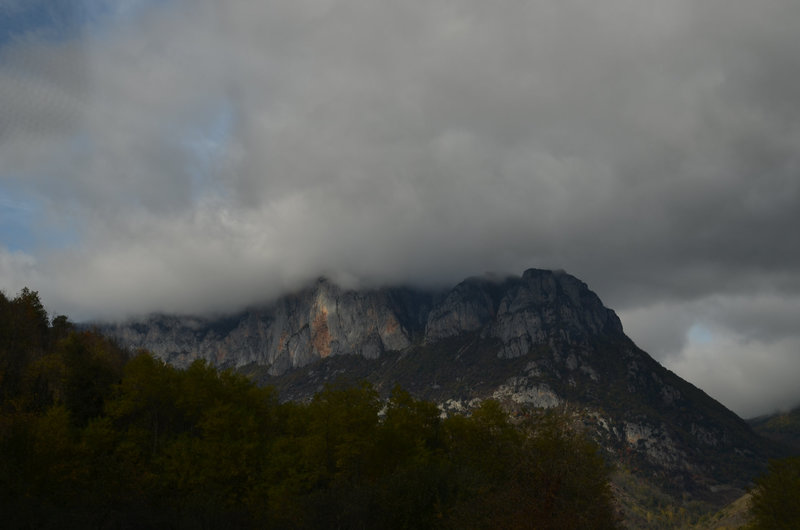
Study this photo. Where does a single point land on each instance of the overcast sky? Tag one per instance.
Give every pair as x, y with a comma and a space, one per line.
203, 155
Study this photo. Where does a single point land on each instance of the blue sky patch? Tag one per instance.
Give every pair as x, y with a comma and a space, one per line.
57, 20
25, 226
700, 334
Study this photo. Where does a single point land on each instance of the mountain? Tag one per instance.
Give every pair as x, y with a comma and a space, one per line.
324, 320
783, 427
539, 341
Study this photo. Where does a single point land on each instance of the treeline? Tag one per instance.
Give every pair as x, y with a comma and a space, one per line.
90, 438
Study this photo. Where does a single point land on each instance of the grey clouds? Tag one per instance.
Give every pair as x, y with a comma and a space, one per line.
200, 156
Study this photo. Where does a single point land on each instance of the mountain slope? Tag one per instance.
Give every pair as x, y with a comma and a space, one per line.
541, 340
783, 427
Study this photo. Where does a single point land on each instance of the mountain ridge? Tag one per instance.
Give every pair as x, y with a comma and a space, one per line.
782, 427
323, 319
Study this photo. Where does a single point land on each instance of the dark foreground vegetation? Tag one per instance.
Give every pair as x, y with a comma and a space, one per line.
775, 502
91, 437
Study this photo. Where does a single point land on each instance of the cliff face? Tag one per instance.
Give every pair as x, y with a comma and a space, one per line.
541, 307
320, 321
537, 341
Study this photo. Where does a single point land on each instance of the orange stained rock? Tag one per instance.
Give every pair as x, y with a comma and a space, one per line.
391, 325
320, 335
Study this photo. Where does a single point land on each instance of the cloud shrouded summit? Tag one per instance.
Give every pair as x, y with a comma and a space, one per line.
200, 156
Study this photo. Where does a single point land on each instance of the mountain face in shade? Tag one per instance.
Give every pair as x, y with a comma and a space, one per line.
538, 341
323, 320
783, 427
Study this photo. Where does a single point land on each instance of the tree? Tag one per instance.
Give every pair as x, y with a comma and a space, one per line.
93, 366
23, 336
60, 328
542, 474
774, 504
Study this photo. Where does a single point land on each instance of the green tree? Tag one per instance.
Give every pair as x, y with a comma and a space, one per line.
343, 421
144, 405
411, 430
214, 467
412, 478
23, 337
774, 503
93, 366
571, 476
60, 328
542, 474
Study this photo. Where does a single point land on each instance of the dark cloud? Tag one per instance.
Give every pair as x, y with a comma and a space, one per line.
742, 350
211, 155
750, 376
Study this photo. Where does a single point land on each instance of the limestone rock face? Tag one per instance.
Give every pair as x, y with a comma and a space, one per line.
541, 307
317, 322
467, 307
550, 308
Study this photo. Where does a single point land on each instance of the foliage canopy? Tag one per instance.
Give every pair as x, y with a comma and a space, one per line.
774, 503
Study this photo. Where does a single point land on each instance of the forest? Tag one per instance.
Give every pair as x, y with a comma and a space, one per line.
93, 436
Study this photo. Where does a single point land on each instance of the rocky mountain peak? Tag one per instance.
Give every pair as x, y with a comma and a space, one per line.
541, 307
